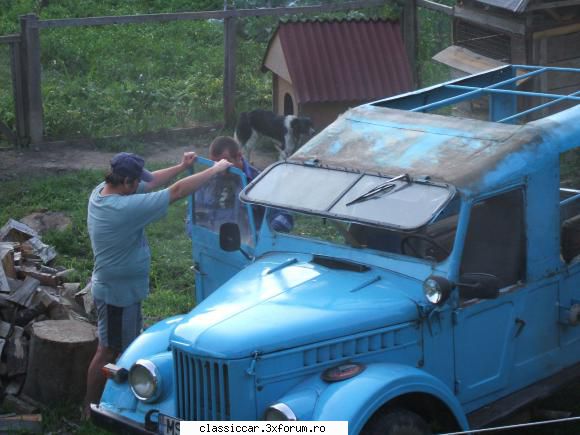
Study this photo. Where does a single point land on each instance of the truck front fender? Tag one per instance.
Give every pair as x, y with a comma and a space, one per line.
358, 398
152, 341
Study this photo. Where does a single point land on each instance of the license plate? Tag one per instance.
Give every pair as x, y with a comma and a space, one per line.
167, 425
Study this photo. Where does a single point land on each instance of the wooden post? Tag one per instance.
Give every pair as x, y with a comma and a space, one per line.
410, 35
32, 77
16, 70
230, 71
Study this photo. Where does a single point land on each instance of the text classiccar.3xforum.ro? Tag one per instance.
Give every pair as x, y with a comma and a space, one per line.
311, 427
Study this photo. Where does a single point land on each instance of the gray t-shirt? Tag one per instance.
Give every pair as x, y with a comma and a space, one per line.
116, 225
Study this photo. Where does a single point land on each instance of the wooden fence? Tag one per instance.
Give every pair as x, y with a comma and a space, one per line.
26, 66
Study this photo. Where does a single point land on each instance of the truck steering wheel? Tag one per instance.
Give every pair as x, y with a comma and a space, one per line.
409, 249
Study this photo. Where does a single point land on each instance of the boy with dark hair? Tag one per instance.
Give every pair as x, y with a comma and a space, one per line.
219, 198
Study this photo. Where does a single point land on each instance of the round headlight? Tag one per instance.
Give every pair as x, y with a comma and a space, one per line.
279, 412
437, 289
144, 380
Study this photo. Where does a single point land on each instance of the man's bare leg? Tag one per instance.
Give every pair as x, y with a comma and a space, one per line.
95, 377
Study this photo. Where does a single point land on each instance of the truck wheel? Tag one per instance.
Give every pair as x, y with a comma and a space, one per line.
396, 422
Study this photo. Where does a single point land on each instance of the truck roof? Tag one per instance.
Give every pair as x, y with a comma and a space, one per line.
395, 136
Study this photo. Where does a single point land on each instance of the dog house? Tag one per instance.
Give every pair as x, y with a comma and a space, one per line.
321, 68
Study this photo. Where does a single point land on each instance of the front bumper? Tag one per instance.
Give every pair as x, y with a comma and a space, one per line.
119, 424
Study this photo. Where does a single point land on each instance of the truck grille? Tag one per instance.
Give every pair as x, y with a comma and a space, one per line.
202, 388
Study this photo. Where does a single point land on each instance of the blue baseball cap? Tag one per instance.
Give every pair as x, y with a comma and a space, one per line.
130, 165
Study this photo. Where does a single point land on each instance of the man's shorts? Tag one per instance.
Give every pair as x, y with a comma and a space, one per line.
117, 327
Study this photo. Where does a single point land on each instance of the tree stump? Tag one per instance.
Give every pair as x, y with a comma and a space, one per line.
59, 356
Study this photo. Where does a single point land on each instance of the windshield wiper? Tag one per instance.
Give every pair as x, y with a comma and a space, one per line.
380, 189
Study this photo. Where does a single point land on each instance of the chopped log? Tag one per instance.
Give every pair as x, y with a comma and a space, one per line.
8, 313
21, 423
19, 405
14, 284
44, 278
64, 273
15, 385
26, 315
5, 330
23, 295
71, 304
16, 353
45, 297
35, 248
61, 311
49, 270
10, 245
2, 344
4, 284
7, 260
60, 353
69, 289
14, 231
85, 299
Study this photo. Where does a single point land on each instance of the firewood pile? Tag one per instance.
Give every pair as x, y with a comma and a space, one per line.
32, 291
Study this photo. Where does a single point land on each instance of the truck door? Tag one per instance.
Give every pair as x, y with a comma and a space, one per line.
485, 330
216, 203
569, 303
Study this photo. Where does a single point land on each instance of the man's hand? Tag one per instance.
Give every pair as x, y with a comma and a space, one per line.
222, 165
188, 159
188, 185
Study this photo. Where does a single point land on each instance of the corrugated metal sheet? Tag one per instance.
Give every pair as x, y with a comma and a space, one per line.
512, 5
339, 60
465, 60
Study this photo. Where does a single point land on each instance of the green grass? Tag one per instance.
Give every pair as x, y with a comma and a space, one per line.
130, 79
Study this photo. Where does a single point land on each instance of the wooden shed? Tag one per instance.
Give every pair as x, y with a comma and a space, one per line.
321, 68
488, 33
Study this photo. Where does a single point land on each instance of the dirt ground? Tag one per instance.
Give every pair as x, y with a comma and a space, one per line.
62, 157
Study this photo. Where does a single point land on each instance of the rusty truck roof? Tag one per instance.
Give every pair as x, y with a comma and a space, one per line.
457, 151
394, 136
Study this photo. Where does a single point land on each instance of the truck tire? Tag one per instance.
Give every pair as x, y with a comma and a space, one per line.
396, 422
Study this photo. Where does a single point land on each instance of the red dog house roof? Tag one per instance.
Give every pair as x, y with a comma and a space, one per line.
340, 60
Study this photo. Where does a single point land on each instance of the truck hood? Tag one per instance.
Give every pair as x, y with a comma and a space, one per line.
282, 301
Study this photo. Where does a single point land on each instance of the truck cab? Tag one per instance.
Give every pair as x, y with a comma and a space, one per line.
430, 280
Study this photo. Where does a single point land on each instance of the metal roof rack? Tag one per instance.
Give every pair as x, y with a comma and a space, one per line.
501, 85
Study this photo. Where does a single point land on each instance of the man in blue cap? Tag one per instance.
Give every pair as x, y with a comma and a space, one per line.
119, 210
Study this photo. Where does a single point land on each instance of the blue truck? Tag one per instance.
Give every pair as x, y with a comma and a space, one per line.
430, 283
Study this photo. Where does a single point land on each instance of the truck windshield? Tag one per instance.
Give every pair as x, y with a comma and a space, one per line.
432, 242
395, 202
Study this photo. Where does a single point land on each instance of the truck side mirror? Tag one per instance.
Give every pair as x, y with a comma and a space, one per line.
230, 239
478, 286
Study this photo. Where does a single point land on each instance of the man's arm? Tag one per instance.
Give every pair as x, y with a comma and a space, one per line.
186, 186
164, 176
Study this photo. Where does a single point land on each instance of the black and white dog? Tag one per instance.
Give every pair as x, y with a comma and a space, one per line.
289, 130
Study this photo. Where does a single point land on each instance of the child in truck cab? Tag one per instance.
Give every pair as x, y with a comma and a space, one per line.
217, 202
